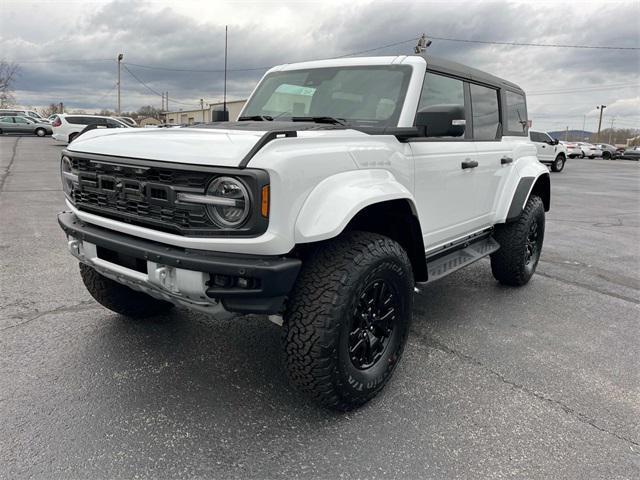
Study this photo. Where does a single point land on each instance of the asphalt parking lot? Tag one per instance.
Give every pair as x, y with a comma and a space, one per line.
538, 382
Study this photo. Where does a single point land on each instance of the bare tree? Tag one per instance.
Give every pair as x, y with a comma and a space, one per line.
8, 73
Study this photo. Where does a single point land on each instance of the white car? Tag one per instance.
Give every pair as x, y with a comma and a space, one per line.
379, 173
589, 150
549, 150
573, 149
66, 127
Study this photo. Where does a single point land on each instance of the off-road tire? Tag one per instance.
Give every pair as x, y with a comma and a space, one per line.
321, 313
509, 264
40, 132
119, 298
558, 164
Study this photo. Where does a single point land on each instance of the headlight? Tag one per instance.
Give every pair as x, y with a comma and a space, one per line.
232, 202
69, 179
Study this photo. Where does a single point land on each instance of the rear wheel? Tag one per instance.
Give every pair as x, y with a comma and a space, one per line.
520, 245
348, 318
606, 156
119, 298
558, 164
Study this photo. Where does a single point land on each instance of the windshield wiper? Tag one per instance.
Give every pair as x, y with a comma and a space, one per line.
257, 118
331, 120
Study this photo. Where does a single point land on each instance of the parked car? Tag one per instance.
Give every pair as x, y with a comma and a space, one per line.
12, 112
128, 120
609, 152
549, 150
16, 124
573, 149
379, 173
632, 153
589, 150
67, 126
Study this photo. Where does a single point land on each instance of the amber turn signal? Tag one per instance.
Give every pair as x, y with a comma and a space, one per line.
264, 209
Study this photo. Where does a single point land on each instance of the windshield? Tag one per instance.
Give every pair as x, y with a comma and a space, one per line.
365, 96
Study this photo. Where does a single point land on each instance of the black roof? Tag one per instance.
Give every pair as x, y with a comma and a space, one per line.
453, 68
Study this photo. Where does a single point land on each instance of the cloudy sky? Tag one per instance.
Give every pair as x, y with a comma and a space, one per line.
67, 49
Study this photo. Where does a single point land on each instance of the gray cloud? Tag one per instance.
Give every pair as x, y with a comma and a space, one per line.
168, 35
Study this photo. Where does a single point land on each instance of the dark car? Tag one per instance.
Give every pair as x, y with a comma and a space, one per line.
608, 151
632, 153
15, 124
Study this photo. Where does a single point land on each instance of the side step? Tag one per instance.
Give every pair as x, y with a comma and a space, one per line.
443, 265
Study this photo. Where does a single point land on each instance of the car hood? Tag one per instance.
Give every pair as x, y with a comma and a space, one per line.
224, 144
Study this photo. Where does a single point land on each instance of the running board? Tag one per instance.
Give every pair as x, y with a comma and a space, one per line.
442, 266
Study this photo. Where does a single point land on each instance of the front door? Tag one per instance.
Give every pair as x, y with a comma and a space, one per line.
543, 149
446, 182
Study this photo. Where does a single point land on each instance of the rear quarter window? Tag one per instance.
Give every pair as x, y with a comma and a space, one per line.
516, 113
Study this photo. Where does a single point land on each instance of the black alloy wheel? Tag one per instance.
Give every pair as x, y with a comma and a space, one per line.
372, 324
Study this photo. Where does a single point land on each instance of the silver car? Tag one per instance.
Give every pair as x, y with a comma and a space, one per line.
609, 152
11, 124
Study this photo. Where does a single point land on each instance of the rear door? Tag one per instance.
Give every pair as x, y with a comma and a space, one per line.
493, 155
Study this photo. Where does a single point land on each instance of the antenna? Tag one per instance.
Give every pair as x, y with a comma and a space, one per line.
423, 44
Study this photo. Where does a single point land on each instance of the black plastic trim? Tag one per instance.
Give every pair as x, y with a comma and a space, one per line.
276, 274
266, 138
519, 197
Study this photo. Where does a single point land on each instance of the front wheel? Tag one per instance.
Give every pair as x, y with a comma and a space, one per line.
347, 321
558, 164
40, 132
520, 245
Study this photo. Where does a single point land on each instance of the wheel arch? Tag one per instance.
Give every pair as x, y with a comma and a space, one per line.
527, 186
366, 200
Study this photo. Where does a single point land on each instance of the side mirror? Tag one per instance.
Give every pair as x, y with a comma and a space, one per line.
555, 141
442, 121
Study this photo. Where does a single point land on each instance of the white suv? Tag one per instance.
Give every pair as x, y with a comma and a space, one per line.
549, 150
343, 185
66, 127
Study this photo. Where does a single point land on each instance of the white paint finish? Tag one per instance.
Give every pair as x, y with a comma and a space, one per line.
196, 146
445, 193
337, 199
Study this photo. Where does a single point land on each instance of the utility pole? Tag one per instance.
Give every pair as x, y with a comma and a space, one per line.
611, 129
162, 107
166, 99
601, 108
584, 122
224, 97
202, 108
61, 107
120, 57
566, 134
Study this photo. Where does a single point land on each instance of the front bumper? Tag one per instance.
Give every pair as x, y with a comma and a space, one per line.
198, 279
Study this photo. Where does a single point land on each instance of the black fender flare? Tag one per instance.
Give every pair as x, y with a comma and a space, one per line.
526, 186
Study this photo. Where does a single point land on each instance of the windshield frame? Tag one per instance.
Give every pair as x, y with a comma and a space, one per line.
391, 121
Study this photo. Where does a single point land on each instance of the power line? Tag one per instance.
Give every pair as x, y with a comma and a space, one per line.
523, 44
578, 90
152, 90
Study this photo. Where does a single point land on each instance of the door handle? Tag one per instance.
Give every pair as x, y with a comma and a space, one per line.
469, 164
506, 160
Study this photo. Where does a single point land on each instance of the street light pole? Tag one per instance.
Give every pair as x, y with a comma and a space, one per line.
224, 97
120, 57
601, 108
611, 129
202, 108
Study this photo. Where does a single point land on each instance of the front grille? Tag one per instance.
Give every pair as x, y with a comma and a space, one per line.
144, 193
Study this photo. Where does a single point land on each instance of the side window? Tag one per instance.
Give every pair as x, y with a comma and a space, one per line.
19, 120
516, 112
112, 123
536, 137
486, 117
439, 93
74, 120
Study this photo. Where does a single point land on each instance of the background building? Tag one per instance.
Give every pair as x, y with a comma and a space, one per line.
209, 114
